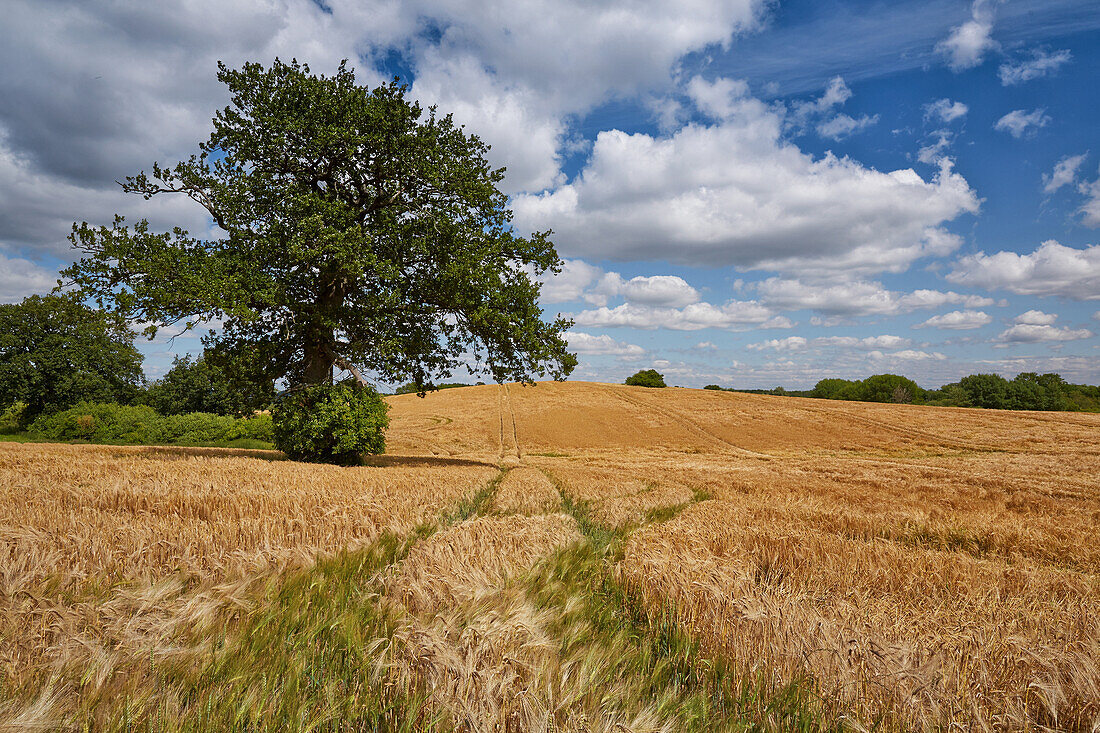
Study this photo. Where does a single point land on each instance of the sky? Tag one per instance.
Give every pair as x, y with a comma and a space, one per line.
748, 193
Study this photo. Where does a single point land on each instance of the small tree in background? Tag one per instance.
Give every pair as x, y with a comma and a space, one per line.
646, 378
199, 385
55, 352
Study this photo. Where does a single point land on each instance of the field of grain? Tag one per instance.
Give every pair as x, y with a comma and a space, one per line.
581, 557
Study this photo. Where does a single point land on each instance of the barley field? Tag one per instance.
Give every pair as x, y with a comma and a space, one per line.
574, 556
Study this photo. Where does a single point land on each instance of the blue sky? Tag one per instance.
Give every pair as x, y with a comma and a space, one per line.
746, 193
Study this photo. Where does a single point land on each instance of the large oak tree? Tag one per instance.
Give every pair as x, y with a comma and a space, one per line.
356, 231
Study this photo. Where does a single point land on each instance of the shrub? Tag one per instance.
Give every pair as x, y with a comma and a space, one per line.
11, 419
256, 428
330, 423
712, 386
102, 423
197, 428
646, 378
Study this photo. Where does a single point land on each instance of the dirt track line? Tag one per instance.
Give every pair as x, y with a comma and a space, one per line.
690, 425
512, 412
910, 432
500, 414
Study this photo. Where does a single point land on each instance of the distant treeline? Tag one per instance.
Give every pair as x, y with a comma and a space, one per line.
1028, 391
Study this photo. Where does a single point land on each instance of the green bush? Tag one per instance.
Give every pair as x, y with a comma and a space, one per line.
197, 428
11, 419
330, 423
142, 425
712, 386
258, 427
646, 378
102, 422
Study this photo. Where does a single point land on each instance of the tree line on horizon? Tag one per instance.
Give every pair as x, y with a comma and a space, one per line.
1026, 391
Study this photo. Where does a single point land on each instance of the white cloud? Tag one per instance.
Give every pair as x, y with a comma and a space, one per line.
968, 43
857, 298
1040, 64
885, 341
938, 141
734, 315
1090, 210
117, 86
657, 290
718, 99
571, 283
586, 343
20, 278
1036, 318
1064, 173
1052, 269
710, 346
836, 93
737, 193
945, 110
1024, 333
579, 280
842, 125
907, 355
791, 343
1019, 123
958, 320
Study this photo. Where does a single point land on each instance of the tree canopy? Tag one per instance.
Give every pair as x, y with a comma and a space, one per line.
357, 231
646, 378
201, 385
55, 351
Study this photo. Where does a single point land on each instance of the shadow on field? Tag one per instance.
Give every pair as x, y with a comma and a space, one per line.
162, 453
169, 453
389, 461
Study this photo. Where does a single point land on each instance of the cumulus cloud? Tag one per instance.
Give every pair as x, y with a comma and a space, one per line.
907, 355
1036, 318
968, 43
734, 315
935, 149
90, 93
571, 284
1025, 333
843, 125
1040, 64
1019, 123
945, 110
798, 343
579, 280
1052, 269
586, 343
885, 341
1090, 210
20, 278
791, 343
858, 298
1064, 173
737, 193
657, 290
958, 320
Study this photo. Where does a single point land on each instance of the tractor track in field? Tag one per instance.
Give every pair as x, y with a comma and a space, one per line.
689, 424
512, 413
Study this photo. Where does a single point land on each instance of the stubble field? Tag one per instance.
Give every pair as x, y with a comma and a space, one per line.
567, 557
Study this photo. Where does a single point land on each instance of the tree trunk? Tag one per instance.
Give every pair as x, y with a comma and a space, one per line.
318, 363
